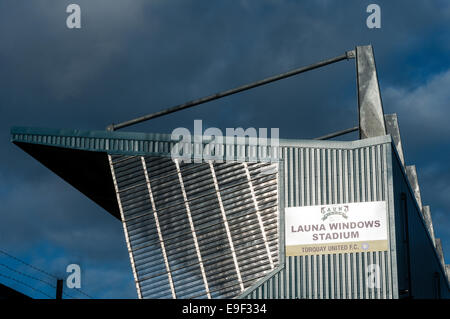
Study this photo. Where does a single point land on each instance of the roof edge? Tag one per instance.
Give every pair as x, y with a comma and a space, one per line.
27, 134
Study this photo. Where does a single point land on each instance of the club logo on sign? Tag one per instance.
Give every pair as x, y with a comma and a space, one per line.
340, 210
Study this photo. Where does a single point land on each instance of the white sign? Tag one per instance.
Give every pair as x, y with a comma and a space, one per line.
324, 229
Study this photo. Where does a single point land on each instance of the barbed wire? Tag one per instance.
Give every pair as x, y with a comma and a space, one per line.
26, 285
26, 275
27, 264
42, 271
82, 292
35, 278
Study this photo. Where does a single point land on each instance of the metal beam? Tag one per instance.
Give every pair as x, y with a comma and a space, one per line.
339, 133
371, 119
345, 56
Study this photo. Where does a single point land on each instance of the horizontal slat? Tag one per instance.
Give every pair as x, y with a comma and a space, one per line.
159, 187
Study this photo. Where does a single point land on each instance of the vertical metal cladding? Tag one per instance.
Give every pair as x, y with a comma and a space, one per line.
197, 230
331, 175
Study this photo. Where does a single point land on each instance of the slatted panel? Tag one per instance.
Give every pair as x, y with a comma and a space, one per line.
198, 230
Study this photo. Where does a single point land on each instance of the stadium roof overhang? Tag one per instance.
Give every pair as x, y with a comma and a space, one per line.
81, 157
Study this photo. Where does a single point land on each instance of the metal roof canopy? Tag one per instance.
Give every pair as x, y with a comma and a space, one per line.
81, 157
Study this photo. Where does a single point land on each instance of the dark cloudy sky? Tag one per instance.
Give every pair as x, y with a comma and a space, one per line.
133, 57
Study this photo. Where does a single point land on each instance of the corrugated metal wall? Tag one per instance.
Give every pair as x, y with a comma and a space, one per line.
332, 175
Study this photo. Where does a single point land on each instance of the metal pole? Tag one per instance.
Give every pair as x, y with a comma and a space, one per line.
331, 135
346, 56
59, 289
370, 108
